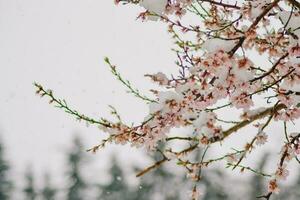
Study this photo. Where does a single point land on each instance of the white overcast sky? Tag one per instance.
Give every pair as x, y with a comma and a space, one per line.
61, 44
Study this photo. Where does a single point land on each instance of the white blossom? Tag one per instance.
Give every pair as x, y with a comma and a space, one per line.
261, 138
282, 172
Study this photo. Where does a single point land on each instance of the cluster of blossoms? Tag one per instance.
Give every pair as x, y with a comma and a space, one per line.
288, 152
217, 65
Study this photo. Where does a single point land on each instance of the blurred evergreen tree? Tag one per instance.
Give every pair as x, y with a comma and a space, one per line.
143, 191
117, 188
159, 184
214, 181
29, 190
5, 182
48, 192
156, 185
257, 182
75, 159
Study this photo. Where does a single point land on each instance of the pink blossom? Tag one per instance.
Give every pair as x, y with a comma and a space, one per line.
232, 158
273, 186
261, 138
281, 172
195, 194
159, 77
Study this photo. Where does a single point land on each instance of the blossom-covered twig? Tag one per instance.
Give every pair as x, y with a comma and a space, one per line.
217, 72
244, 123
61, 103
243, 168
155, 165
220, 3
126, 83
295, 3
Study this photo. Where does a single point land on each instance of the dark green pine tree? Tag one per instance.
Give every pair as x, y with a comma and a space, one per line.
48, 192
214, 190
75, 159
29, 190
153, 183
159, 184
257, 182
117, 188
145, 188
5, 182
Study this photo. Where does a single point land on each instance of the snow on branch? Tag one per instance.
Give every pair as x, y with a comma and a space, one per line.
216, 64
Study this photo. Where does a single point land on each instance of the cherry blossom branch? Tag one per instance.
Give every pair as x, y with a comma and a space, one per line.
226, 121
205, 163
214, 65
155, 165
253, 25
271, 70
94, 149
273, 83
250, 169
235, 6
164, 159
244, 123
182, 138
126, 83
281, 172
295, 3
250, 146
59, 103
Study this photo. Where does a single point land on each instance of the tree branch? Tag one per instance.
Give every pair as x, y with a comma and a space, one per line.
242, 124
222, 4
155, 165
295, 3
257, 20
